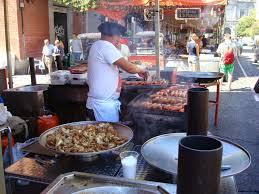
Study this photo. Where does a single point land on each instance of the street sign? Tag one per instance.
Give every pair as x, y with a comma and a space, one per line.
187, 13
149, 14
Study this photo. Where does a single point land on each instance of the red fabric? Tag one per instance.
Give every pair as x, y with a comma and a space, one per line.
163, 2
229, 57
192, 2
104, 6
112, 14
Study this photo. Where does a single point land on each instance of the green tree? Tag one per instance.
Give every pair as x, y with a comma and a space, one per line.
256, 28
78, 5
245, 26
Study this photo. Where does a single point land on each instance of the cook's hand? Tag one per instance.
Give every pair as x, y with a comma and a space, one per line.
144, 74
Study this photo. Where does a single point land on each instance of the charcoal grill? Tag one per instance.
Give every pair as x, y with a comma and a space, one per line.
149, 123
136, 106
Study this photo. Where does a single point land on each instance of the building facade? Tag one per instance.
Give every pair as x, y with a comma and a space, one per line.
29, 22
235, 10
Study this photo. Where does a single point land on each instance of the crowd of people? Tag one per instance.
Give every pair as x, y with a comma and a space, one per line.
53, 54
227, 50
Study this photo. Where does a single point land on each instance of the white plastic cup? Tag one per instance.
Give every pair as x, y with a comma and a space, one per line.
129, 160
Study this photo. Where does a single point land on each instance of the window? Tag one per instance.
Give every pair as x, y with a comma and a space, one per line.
243, 12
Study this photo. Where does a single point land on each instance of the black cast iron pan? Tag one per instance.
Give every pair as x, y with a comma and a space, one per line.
199, 77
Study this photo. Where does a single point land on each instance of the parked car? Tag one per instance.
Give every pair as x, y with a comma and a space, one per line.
247, 41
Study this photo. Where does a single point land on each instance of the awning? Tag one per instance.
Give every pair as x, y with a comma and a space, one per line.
164, 2
192, 2
114, 15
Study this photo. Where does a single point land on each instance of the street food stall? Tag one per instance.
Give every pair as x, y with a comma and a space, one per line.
80, 156
87, 40
143, 49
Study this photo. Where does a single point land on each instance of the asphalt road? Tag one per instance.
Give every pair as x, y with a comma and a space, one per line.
239, 119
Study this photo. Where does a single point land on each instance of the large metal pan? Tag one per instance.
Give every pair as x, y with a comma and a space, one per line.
200, 77
162, 152
121, 129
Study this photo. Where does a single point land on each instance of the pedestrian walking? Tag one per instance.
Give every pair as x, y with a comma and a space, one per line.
76, 47
193, 49
227, 52
47, 55
59, 54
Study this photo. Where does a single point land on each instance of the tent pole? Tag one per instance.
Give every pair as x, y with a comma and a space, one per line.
7, 41
157, 34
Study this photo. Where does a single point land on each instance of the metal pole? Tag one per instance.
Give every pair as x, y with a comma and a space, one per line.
7, 44
157, 34
32, 71
2, 179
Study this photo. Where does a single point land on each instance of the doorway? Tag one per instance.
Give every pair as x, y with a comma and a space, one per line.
60, 28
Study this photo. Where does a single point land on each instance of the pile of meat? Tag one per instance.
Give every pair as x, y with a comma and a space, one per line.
83, 139
173, 98
78, 69
145, 83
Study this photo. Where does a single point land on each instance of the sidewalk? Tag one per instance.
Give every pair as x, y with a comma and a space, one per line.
238, 120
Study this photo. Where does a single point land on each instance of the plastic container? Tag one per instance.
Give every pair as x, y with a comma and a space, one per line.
78, 79
4, 140
46, 122
60, 77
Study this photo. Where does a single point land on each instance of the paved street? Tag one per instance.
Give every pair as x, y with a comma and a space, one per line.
238, 119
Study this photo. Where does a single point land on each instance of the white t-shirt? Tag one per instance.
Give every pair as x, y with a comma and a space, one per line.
103, 75
224, 46
76, 45
48, 50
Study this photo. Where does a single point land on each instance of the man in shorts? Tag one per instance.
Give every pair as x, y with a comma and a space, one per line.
227, 69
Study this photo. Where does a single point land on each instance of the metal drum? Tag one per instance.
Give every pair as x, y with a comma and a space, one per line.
121, 129
162, 152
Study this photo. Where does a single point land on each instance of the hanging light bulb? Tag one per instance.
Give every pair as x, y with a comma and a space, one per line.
181, 26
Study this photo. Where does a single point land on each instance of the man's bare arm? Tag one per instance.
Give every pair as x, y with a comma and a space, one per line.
127, 66
198, 50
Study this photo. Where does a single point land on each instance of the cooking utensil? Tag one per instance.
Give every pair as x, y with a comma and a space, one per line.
84, 183
121, 129
200, 77
162, 151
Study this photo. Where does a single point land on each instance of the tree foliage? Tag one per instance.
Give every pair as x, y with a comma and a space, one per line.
246, 25
78, 5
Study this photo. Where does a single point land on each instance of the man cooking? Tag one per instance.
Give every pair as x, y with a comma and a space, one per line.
104, 82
